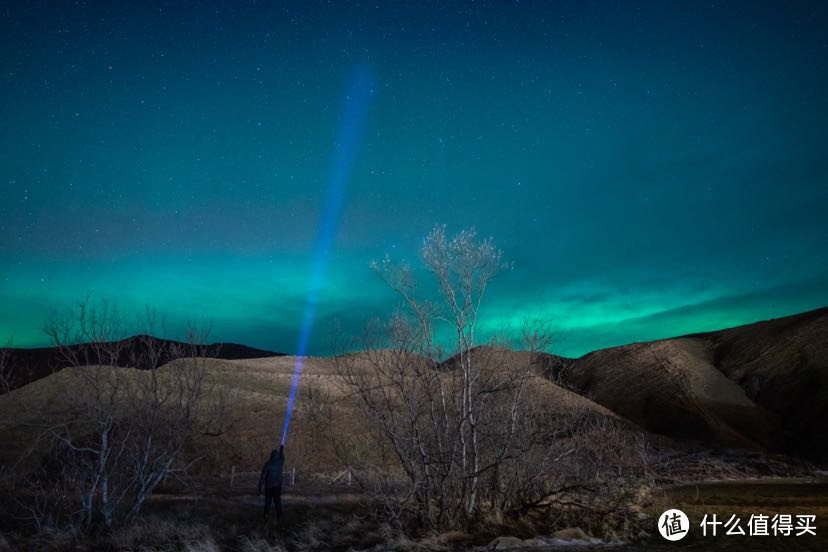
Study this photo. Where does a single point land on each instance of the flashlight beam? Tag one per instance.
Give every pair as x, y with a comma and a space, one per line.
356, 101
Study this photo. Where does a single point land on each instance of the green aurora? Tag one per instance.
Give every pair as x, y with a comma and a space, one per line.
651, 170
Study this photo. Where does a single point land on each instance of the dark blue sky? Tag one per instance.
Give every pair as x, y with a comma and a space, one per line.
651, 168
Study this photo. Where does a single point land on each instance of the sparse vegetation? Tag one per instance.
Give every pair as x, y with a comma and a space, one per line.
119, 432
471, 440
401, 445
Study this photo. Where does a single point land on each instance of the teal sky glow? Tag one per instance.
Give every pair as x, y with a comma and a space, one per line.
652, 169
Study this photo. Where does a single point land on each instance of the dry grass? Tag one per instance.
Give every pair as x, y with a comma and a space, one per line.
247, 544
158, 534
259, 389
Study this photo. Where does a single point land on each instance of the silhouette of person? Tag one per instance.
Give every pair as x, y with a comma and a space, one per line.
271, 479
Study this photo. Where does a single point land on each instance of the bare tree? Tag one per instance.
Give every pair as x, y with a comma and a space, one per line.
449, 424
473, 435
121, 431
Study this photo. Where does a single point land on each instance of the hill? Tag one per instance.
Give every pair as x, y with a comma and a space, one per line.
23, 366
761, 385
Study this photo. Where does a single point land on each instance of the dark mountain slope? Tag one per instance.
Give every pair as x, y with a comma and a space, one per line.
760, 385
782, 365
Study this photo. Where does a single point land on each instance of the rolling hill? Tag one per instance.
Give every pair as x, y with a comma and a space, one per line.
761, 385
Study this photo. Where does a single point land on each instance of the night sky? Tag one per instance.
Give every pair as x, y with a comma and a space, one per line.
652, 169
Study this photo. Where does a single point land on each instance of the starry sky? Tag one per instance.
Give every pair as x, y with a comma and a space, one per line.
651, 168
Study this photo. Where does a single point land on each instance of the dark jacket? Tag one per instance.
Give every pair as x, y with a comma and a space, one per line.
272, 470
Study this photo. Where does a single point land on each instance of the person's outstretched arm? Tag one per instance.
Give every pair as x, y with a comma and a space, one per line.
282, 452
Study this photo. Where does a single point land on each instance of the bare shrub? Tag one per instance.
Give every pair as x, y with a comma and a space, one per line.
472, 438
120, 432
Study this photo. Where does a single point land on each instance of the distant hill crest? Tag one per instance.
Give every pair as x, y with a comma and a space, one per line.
25, 365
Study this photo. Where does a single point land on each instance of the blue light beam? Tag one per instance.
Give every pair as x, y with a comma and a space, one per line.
356, 101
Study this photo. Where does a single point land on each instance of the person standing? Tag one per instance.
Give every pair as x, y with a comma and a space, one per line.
271, 479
